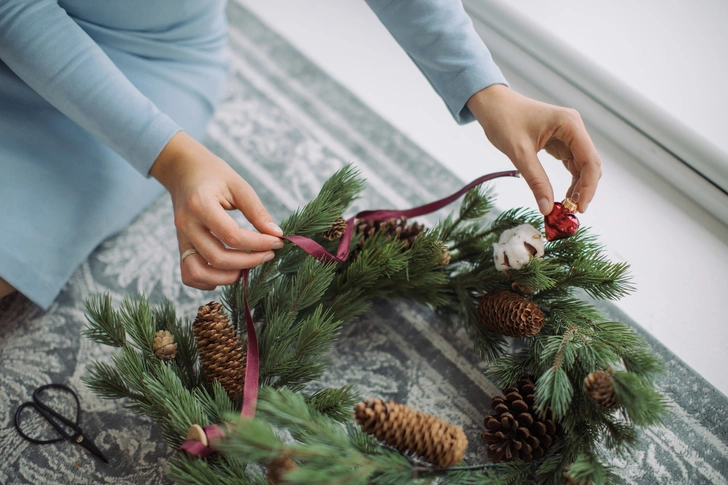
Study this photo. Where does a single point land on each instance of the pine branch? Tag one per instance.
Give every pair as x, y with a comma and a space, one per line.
590, 469
103, 323
108, 383
334, 403
138, 320
642, 404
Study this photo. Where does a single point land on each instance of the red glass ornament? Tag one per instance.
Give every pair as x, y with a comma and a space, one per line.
561, 222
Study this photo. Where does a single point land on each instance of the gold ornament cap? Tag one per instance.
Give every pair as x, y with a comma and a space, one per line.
570, 204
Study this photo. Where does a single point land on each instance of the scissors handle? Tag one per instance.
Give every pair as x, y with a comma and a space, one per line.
53, 417
40, 405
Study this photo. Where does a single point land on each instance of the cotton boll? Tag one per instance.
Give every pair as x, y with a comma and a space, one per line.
517, 246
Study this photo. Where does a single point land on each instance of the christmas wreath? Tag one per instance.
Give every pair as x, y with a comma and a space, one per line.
578, 386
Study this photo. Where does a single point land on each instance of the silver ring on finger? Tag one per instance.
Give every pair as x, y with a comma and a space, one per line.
187, 253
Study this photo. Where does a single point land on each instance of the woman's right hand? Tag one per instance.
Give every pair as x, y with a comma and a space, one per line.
203, 187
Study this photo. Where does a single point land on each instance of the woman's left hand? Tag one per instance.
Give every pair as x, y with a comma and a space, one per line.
520, 127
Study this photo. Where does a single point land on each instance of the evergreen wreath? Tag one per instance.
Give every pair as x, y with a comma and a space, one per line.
579, 387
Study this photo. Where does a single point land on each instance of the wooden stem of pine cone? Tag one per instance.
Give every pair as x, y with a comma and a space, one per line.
250, 392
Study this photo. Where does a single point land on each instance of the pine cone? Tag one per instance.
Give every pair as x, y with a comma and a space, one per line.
337, 229
164, 346
599, 388
220, 350
411, 431
507, 313
277, 469
515, 431
445, 258
393, 228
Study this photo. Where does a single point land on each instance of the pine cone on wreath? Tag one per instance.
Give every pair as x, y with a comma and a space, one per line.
412, 431
337, 229
219, 347
599, 388
164, 346
277, 469
445, 257
509, 314
393, 228
515, 431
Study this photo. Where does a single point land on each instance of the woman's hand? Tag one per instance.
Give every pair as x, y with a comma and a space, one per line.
520, 127
203, 187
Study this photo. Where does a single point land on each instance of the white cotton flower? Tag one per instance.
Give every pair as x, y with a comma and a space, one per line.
517, 246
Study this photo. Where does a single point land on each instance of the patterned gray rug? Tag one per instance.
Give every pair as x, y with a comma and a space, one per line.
286, 126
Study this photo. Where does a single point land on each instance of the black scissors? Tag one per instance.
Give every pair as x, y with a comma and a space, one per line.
53, 417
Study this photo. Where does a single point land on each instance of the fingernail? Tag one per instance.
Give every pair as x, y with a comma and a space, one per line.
274, 227
582, 207
277, 245
543, 205
268, 257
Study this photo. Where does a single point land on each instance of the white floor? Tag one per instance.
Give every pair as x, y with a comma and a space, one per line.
679, 255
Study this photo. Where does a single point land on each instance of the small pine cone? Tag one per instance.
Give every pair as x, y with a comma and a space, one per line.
393, 228
509, 314
220, 350
337, 229
412, 431
277, 469
445, 257
515, 431
164, 346
599, 388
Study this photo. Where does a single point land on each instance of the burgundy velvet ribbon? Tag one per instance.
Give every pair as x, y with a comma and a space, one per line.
250, 391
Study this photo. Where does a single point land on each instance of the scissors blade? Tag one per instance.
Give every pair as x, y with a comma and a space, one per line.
90, 446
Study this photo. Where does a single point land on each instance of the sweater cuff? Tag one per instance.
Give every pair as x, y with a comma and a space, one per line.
466, 84
153, 137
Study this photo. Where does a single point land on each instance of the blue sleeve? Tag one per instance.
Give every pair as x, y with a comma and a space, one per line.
440, 38
57, 59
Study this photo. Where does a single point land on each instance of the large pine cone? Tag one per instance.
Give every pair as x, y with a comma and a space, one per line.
599, 388
164, 346
393, 228
509, 314
412, 431
220, 350
337, 229
515, 431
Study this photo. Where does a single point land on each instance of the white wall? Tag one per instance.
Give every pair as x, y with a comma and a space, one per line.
672, 52
679, 255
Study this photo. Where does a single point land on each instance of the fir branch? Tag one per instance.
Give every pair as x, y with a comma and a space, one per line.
172, 406
508, 369
108, 383
588, 468
216, 405
554, 391
335, 403
599, 278
103, 323
185, 361
138, 319
642, 404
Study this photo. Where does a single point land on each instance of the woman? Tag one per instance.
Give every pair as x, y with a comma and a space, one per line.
85, 84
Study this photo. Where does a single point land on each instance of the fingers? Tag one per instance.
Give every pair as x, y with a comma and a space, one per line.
252, 208
530, 167
586, 159
198, 274
210, 213
214, 252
